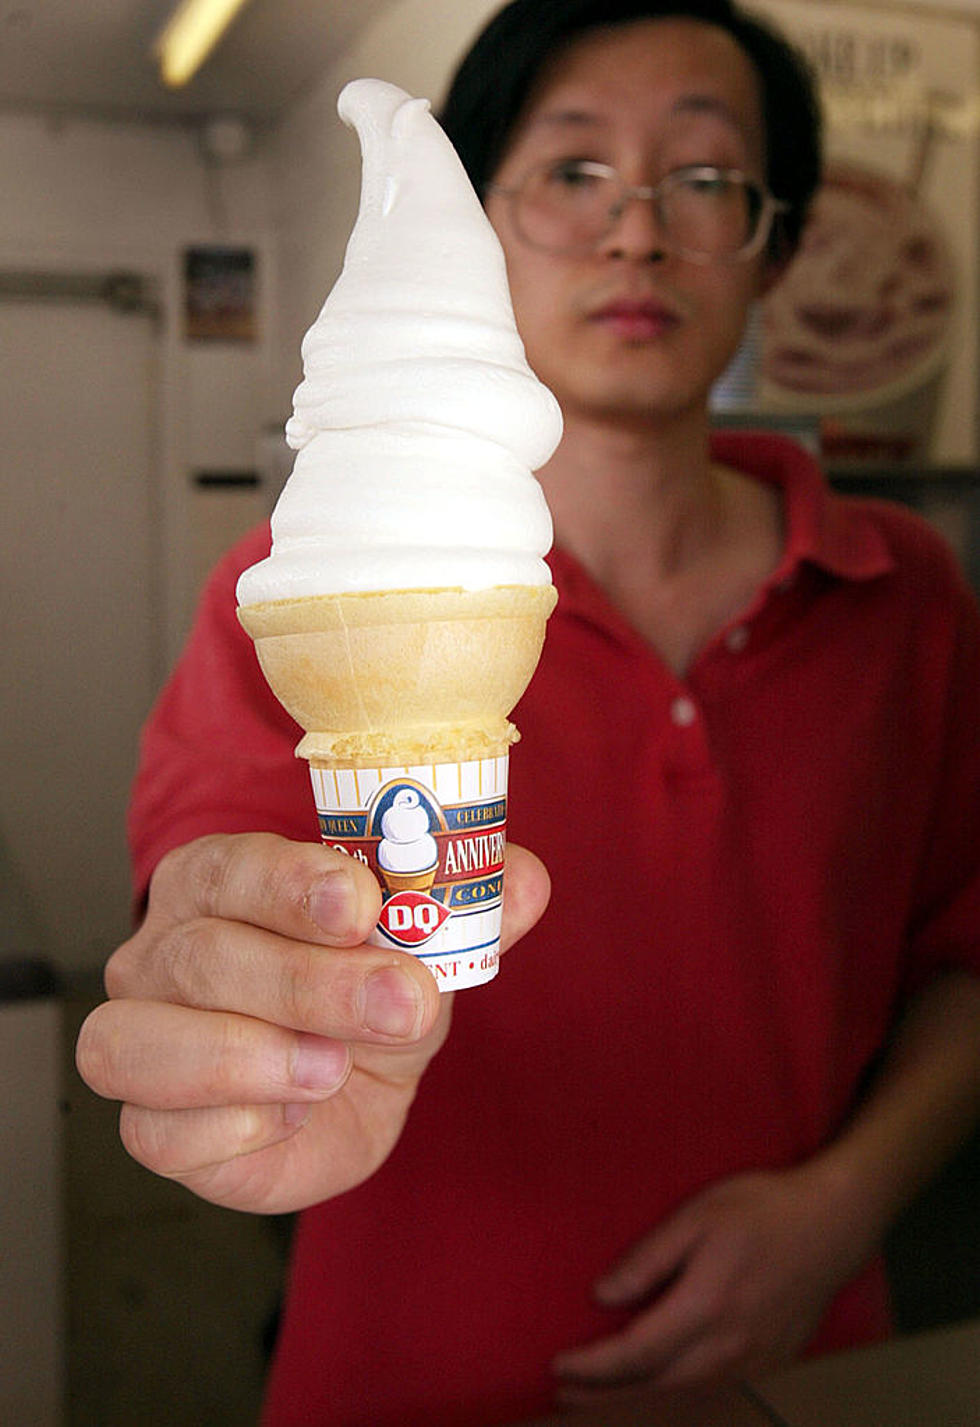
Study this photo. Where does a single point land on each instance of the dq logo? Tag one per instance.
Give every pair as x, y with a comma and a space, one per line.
411, 918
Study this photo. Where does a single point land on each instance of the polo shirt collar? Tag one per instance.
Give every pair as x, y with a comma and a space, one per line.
837, 535
823, 529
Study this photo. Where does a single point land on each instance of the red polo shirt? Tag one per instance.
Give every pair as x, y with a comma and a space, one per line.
751, 867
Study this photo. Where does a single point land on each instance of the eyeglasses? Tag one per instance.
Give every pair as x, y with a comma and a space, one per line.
705, 214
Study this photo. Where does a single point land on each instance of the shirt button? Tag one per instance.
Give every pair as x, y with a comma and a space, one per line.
683, 711
736, 639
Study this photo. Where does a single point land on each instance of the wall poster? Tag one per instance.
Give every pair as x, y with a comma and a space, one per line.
220, 293
874, 331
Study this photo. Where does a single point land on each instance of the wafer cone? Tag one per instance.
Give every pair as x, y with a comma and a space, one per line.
403, 676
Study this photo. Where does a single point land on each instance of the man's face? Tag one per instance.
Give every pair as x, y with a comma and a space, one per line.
630, 330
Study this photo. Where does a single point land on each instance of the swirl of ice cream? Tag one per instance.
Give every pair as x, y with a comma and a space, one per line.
418, 422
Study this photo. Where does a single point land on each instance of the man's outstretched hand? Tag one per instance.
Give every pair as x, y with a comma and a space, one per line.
264, 1056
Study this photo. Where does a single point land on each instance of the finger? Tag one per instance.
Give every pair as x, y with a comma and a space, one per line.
179, 1144
306, 891
253, 1158
527, 889
644, 1349
360, 994
172, 1057
608, 1362
649, 1264
301, 890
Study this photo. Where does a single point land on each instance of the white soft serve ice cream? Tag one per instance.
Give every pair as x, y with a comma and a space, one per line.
418, 421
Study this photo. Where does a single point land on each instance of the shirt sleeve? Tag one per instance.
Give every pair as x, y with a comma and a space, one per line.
216, 754
945, 930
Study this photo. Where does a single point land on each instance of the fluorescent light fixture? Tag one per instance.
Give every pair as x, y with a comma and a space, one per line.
189, 36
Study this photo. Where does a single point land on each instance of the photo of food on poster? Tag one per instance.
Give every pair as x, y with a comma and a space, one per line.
873, 333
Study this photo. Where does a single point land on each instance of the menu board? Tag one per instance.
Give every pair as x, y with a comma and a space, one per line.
873, 333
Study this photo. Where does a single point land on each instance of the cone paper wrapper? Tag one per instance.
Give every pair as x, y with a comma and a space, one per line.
434, 837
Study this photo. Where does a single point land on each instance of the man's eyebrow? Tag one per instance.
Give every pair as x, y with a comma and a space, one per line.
686, 104
574, 117
707, 104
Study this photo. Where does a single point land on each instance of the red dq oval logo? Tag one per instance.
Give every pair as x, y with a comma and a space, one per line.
411, 918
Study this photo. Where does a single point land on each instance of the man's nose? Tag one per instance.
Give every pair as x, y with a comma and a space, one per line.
637, 231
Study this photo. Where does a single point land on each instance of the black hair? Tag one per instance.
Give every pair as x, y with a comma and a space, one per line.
496, 78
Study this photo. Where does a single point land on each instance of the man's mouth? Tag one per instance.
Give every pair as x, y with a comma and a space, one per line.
636, 319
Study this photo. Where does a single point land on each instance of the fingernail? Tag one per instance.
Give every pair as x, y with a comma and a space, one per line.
332, 903
392, 1003
294, 1115
319, 1064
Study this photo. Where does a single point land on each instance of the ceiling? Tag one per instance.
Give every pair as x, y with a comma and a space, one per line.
94, 57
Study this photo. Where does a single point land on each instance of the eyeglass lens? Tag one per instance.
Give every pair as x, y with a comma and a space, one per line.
573, 206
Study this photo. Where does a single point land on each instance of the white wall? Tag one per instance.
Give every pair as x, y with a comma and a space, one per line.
84, 196
78, 182
81, 194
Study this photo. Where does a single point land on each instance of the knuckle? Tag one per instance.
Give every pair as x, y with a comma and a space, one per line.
261, 870
120, 969
300, 990
284, 876
187, 957
170, 872
209, 865
232, 1059
200, 870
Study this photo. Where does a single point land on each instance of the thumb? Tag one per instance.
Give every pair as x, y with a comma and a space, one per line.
649, 1265
527, 888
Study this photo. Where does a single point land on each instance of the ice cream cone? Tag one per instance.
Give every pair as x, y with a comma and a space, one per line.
401, 611
404, 697
402, 676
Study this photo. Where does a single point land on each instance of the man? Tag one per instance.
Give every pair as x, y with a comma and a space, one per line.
664, 1146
